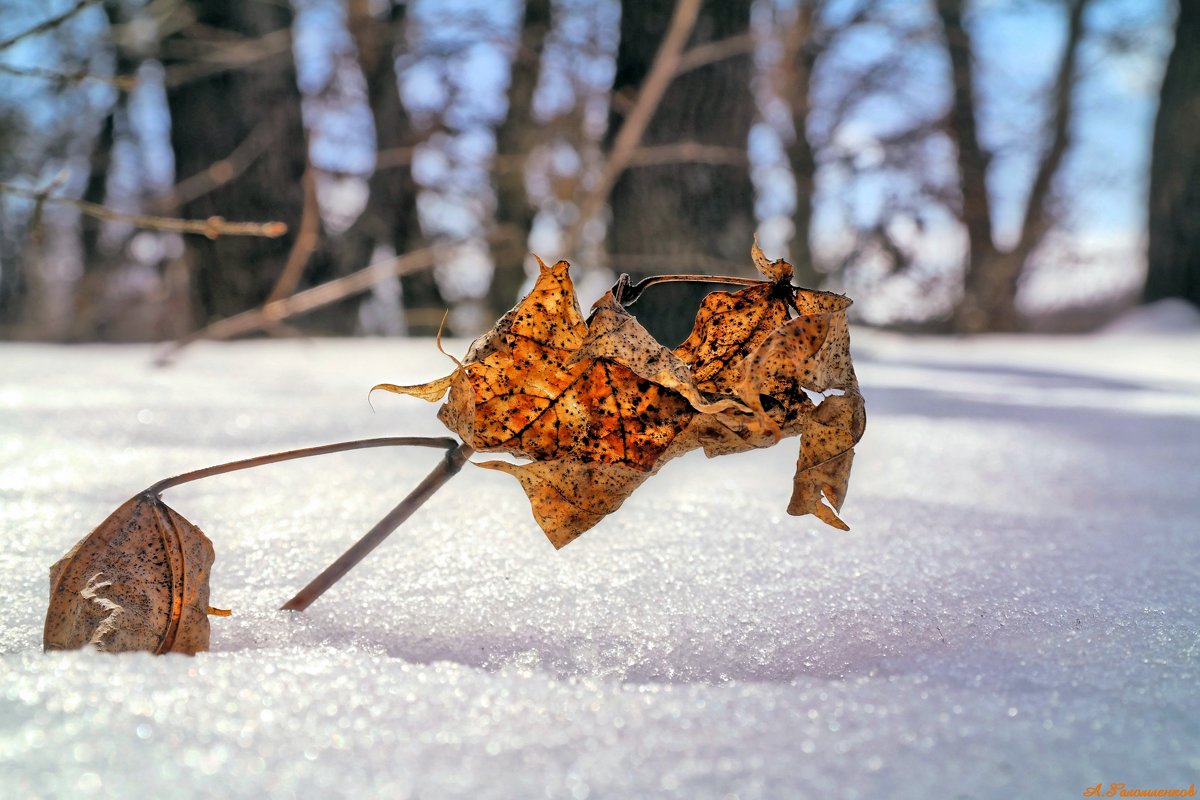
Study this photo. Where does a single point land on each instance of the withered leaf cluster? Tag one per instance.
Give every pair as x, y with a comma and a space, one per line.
594, 407
597, 406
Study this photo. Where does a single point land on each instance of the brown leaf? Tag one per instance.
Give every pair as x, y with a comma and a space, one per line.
568, 497
599, 406
810, 353
542, 384
137, 582
594, 405
777, 271
729, 325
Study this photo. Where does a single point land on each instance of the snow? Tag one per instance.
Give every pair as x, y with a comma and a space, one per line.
1016, 612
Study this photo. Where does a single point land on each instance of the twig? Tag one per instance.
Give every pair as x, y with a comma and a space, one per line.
444, 442
39, 204
303, 302
306, 239
48, 24
213, 227
704, 54
221, 172
226, 57
456, 456
125, 83
662, 70
444, 471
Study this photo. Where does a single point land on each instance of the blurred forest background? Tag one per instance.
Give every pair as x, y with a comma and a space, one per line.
954, 165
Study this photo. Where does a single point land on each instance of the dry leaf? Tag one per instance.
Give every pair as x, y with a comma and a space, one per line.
599, 405
810, 352
137, 582
729, 325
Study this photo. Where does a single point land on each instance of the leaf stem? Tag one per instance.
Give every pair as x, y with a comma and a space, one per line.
627, 292
444, 471
444, 442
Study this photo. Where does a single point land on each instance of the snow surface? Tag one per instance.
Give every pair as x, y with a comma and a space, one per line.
1015, 614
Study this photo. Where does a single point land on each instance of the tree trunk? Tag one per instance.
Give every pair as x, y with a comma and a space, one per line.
800, 56
993, 275
687, 217
114, 301
975, 210
990, 293
1174, 225
390, 217
13, 286
515, 138
210, 116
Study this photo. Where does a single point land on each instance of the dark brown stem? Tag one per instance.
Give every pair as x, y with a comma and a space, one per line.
627, 293
447, 469
443, 442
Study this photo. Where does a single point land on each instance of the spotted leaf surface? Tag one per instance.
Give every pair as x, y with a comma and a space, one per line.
597, 406
139, 581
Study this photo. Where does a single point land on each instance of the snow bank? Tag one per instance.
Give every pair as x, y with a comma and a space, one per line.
1015, 613
1172, 315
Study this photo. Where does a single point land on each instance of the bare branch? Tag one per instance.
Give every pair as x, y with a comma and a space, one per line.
224, 58
1036, 220
963, 128
49, 24
710, 52
213, 227
306, 240
124, 83
662, 71
794, 75
303, 302
223, 171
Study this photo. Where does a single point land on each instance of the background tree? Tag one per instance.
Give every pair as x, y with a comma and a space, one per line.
993, 272
231, 80
678, 212
883, 133
516, 138
1174, 228
49, 119
389, 220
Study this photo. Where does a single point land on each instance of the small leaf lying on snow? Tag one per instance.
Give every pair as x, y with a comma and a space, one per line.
598, 405
137, 582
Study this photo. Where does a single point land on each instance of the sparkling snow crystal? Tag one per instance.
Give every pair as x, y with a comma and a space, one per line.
1015, 614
